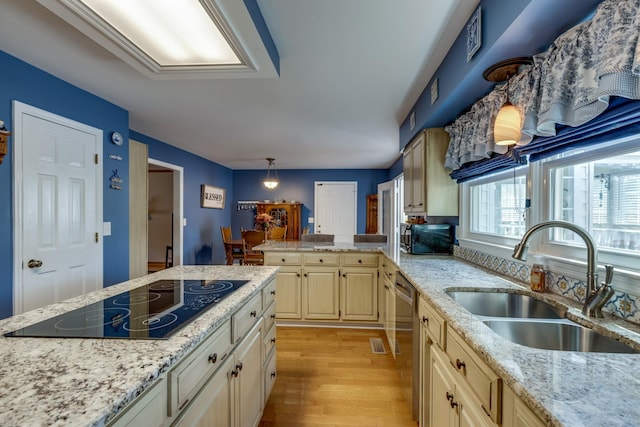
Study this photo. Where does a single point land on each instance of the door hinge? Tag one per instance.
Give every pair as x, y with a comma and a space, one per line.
96, 237
95, 159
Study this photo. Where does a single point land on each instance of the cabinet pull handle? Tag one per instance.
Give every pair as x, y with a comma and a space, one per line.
449, 396
273, 374
234, 373
239, 366
460, 364
425, 319
183, 405
386, 287
253, 313
273, 316
450, 399
213, 358
273, 340
273, 292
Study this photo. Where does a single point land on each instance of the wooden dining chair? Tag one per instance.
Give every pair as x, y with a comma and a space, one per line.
250, 239
235, 252
278, 233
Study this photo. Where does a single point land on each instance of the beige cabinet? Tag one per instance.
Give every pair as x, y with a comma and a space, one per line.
149, 409
428, 188
515, 413
359, 293
288, 283
321, 293
432, 333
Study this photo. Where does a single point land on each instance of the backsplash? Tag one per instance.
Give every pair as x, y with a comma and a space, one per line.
623, 305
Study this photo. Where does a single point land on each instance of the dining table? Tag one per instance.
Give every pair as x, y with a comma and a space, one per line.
230, 246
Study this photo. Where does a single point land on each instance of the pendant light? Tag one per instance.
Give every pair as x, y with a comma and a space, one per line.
271, 182
507, 127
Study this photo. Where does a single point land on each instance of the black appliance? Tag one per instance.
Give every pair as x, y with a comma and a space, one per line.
154, 311
426, 238
407, 350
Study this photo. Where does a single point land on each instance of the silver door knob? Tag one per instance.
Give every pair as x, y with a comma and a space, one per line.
34, 263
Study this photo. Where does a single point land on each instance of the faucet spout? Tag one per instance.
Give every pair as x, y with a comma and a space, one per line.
520, 252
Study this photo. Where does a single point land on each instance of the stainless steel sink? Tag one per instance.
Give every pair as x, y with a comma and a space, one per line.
563, 336
505, 304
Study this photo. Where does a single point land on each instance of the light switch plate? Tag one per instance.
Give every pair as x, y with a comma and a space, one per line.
310, 220
106, 229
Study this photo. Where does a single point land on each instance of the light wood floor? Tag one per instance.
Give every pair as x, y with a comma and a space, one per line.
329, 377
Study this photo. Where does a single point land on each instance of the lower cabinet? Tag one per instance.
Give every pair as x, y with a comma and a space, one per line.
515, 413
321, 293
359, 293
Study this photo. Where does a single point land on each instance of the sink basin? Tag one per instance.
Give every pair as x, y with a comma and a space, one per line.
561, 336
504, 304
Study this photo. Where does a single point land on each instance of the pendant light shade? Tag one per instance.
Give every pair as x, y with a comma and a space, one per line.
270, 181
507, 128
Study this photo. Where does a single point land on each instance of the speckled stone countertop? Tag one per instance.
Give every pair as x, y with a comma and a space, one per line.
564, 388
85, 382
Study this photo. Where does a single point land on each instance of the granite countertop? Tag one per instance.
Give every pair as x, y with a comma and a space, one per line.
564, 388
297, 246
85, 382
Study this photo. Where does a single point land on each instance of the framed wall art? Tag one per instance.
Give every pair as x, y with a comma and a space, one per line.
474, 33
212, 197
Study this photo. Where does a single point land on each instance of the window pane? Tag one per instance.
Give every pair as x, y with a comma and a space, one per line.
601, 196
498, 207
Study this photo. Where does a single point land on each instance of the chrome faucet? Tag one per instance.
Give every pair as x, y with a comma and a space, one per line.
596, 297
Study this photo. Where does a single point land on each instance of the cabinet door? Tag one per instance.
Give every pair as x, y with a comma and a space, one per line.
515, 413
288, 291
470, 411
417, 175
359, 294
213, 406
321, 293
442, 401
150, 408
440, 192
408, 186
249, 393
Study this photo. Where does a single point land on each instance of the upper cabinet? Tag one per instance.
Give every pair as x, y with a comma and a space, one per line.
428, 188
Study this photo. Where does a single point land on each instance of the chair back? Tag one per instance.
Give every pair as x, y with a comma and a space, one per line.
278, 233
369, 238
251, 238
317, 238
226, 233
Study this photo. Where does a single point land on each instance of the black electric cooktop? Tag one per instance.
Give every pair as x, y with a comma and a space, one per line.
154, 311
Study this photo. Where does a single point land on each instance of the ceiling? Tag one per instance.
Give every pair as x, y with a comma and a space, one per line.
350, 72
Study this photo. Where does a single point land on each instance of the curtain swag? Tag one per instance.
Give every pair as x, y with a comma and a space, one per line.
581, 76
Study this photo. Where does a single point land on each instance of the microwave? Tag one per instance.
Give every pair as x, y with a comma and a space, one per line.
426, 238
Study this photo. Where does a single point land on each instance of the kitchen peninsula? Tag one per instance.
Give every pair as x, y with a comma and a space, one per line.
93, 382
542, 387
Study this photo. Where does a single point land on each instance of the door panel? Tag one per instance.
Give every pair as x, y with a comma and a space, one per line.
335, 209
61, 196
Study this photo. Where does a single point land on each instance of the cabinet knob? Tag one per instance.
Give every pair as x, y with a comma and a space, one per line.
321, 260
460, 364
297, 274
359, 261
239, 366
213, 358
273, 340
425, 319
284, 260
273, 316
305, 275
234, 373
253, 313
273, 374
273, 292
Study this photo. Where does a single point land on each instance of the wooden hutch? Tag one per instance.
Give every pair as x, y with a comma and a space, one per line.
289, 214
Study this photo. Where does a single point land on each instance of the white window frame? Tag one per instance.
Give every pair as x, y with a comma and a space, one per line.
562, 258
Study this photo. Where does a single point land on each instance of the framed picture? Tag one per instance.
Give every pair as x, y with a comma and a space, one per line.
212, 197
474, 34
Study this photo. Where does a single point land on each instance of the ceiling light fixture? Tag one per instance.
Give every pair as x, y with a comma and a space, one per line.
271, 182
508, 124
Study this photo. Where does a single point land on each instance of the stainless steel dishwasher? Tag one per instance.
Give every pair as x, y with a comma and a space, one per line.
408, 341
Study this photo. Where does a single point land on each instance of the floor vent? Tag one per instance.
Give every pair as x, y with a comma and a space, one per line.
377, 347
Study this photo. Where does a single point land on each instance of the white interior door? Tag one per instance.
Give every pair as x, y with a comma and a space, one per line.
58, 208
335, 209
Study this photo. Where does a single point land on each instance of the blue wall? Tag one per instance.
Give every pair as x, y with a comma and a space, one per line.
298, 185
29, 85
202, 239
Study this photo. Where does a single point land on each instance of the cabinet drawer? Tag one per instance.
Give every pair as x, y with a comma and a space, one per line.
359, 259
269, 316
322, 259
435, 324
244, 318
269, 342
283, 258
481, 379
189, 375
148, 409
268, 294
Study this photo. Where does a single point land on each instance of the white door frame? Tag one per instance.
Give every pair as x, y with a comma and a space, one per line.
395, 216
178, 209
20, 109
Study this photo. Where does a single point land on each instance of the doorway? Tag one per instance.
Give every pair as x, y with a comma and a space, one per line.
335, 209
57, 203
390, 212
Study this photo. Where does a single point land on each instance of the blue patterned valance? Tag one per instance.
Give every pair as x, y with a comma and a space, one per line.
567, 86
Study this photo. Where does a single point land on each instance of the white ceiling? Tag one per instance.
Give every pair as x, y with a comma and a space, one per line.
350, 71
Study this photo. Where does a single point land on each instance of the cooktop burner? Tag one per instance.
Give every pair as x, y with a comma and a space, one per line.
153, 311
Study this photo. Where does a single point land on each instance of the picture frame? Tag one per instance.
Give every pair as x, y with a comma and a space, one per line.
474, 33
212, 197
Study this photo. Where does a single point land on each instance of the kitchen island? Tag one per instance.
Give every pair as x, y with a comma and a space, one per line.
562, 388
88, 382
